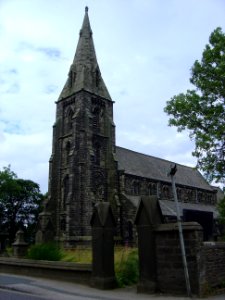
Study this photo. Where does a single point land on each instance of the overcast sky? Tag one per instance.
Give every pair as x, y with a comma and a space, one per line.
145, 50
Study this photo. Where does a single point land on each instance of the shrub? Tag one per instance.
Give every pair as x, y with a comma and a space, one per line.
48, 251
127, 271
9, 251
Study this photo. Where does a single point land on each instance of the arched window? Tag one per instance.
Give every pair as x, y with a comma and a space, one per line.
65, 190
136, 188
96, 118
69, 120
166, 192
200, 197
190, 196
63, 224
68, 147
72, 78
97, 154
152, 190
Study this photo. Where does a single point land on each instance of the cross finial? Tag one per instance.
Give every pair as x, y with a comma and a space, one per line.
86, 9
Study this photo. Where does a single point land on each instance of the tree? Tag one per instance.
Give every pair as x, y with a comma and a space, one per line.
19, 203
202, 111
221, 210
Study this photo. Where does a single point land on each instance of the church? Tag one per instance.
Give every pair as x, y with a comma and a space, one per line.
86, 166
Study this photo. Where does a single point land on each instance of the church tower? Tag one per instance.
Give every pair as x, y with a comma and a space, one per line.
83, 169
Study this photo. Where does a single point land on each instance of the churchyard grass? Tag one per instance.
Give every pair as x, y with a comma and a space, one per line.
78, 255
126, 266
126, 262
126, 259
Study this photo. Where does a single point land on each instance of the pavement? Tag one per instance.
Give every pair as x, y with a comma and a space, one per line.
60, 290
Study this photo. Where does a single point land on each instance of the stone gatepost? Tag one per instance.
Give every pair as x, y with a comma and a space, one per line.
19, 246
170, 270
147, 218
103, 230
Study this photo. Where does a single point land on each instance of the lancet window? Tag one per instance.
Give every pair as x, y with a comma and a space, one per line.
97, 154
152, 189
68, 120
65, 190
72, 78
68, 148
136, 187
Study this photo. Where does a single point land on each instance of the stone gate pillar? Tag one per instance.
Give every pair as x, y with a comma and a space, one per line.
170, 269
103, 230
147, 218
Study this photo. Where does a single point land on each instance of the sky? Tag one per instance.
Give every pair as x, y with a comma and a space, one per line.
145, 50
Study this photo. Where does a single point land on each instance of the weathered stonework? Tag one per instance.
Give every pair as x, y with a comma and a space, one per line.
82, 168
86, 167
170, 271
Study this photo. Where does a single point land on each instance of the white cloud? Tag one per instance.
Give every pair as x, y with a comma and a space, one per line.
145, 50
27, 155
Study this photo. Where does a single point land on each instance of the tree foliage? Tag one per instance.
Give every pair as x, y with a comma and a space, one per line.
221, 210
202, 111
19, 203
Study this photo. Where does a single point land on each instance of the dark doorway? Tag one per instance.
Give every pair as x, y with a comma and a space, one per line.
204, 218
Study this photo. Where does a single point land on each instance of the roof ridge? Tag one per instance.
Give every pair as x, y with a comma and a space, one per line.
143, 165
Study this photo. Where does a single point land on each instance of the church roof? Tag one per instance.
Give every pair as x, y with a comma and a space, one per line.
168, 208
155, 168
84, 73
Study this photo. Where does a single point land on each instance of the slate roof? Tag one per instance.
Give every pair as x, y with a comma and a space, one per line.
169, 209
155, 168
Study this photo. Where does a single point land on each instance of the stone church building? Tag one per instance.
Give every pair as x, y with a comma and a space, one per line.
87, 167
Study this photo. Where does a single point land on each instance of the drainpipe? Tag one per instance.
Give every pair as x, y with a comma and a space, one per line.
172, 172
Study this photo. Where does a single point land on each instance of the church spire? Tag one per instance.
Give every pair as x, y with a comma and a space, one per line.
84, 73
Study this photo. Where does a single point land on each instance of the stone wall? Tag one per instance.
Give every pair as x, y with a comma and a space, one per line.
170, 271
65, 271
206, 261
140, 186
212, 265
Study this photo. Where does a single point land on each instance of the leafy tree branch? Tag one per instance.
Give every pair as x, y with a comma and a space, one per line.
202, 111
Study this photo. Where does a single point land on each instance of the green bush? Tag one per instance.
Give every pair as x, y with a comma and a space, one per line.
127, 271
48, 251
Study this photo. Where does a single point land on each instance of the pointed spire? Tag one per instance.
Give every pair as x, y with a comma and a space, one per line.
84, 72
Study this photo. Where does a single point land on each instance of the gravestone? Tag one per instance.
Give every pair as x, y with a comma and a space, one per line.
19, 246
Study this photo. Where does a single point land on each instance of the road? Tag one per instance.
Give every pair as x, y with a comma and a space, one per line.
14, 295
16, 287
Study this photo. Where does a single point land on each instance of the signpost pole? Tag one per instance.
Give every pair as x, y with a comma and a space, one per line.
187, 280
